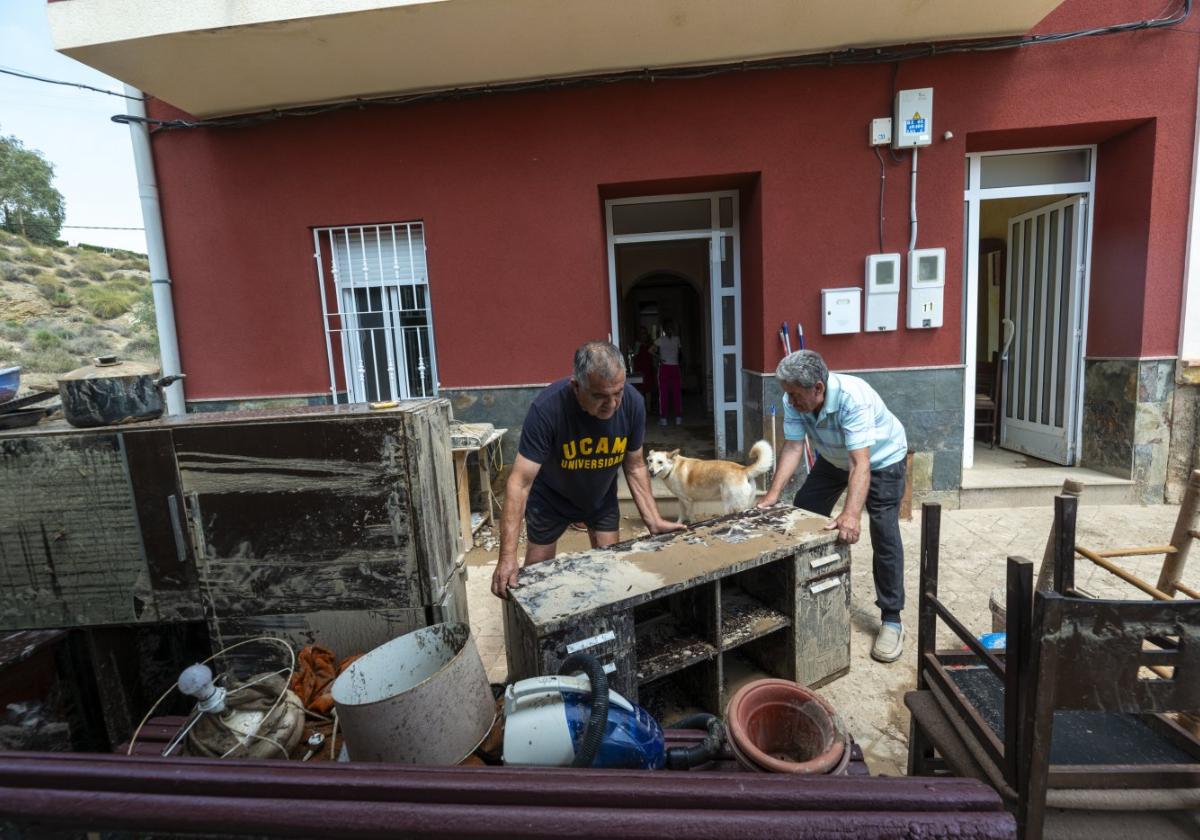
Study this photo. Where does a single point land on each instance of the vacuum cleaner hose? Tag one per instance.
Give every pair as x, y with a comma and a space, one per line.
598, 722
685, 758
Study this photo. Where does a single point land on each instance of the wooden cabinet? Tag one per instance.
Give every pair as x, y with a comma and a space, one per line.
682, 621
328, 524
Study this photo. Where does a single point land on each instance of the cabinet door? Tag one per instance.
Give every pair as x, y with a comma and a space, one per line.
434, 509
71, 552
301, 517
823, 628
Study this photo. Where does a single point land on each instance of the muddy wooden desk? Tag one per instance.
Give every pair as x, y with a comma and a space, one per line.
680, 621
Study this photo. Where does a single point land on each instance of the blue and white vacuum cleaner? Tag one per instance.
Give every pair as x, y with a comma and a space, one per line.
577, 721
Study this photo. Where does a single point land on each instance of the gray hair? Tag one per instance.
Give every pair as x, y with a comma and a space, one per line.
804, 368
598, 357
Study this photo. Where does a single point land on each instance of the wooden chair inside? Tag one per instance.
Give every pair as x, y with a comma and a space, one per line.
987, 399
1067, 723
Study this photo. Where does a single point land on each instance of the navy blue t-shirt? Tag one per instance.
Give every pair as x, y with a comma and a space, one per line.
580, 454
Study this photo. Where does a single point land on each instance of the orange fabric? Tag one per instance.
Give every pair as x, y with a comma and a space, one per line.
316, 669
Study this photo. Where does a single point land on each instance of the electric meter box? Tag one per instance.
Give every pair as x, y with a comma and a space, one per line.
913, 122
883, 292
841, 311
926, 287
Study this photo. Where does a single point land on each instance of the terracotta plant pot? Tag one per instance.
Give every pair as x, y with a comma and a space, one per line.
778, 726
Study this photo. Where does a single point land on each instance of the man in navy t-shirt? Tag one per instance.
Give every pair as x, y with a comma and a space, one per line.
577, 433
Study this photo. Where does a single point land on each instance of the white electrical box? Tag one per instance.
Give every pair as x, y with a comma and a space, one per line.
883, 292
841, 310
926, 287
913, 120
881, 131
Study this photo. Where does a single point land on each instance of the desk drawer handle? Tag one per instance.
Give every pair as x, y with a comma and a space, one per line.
824, 585
818, 562
591, 641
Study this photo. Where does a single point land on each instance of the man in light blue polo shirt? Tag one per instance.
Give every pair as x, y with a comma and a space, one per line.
860, 448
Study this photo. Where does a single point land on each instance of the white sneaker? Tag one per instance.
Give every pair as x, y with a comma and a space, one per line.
678, 421
889, 643
662, 421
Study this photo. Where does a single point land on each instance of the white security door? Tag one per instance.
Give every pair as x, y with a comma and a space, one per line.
1044, 302
727, 344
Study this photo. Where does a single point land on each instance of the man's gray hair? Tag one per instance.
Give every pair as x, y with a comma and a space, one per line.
600, 358
804, 368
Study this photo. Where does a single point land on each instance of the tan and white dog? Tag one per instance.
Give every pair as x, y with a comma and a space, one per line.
694, 480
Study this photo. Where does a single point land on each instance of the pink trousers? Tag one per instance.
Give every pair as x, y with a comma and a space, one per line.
670, 391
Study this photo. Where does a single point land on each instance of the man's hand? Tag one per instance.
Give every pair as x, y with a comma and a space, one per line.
505, 577
666, 526
768, 500
848, 525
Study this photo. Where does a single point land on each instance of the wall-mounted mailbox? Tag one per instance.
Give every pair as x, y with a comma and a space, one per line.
841, 310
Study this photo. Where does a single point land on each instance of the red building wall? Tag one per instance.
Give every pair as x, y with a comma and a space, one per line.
510, 188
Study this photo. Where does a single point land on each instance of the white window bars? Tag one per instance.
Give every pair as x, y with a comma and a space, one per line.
375, 305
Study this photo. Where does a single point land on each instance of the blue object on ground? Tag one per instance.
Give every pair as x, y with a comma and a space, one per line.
993, 641
10, 383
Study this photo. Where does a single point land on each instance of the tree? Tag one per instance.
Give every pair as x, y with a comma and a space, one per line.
29, 203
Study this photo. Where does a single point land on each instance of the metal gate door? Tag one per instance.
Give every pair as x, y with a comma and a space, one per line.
1043, 300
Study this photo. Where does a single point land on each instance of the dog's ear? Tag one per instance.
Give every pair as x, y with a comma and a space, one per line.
674, 453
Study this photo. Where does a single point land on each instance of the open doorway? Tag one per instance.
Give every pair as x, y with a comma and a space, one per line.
1028, 241
666, 283
675, 260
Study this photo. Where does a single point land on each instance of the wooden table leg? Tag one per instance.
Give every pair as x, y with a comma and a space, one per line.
464, 499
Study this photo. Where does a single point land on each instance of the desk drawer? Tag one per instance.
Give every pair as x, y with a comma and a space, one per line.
609, 638
821, 562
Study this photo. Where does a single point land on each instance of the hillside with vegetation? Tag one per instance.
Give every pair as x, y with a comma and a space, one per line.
62, 306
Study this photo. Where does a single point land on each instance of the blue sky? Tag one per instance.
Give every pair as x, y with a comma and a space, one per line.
92, 156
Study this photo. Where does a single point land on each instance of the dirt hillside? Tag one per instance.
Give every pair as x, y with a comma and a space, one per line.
62, 306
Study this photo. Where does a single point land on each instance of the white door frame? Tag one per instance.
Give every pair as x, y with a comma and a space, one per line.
713, 234
972, 196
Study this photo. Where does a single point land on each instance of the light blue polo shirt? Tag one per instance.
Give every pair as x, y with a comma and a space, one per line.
853, 417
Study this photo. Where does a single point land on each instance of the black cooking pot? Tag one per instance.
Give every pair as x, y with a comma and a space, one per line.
112, 391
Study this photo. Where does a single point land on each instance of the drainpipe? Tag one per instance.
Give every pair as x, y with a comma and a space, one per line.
156, 251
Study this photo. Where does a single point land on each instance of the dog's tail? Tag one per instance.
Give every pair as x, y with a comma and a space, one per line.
761, 459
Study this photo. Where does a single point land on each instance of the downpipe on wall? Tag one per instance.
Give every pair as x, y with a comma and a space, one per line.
156, 251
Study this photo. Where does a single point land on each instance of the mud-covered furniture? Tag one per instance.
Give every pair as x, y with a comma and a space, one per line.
329, 524
682, 620
1068, 723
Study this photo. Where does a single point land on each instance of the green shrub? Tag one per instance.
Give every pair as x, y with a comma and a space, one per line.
126, 282
90, 261
54, 360
106, 302
78, 282
12, 273
91, 345
44, 340
64, 273
141, 348
37, 256
49, 286
13, 331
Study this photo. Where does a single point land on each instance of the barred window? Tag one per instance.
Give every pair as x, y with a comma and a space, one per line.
375, 302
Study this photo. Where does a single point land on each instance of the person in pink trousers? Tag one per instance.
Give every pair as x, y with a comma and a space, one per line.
670, 379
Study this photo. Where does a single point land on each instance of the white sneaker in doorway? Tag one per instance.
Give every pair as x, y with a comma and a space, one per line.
678, 421
662, 421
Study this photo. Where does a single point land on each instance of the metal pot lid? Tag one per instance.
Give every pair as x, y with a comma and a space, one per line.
110, 367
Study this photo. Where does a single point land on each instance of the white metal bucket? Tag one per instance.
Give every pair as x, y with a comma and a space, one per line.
422, 698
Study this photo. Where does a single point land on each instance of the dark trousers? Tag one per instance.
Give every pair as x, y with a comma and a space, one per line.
820, 493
